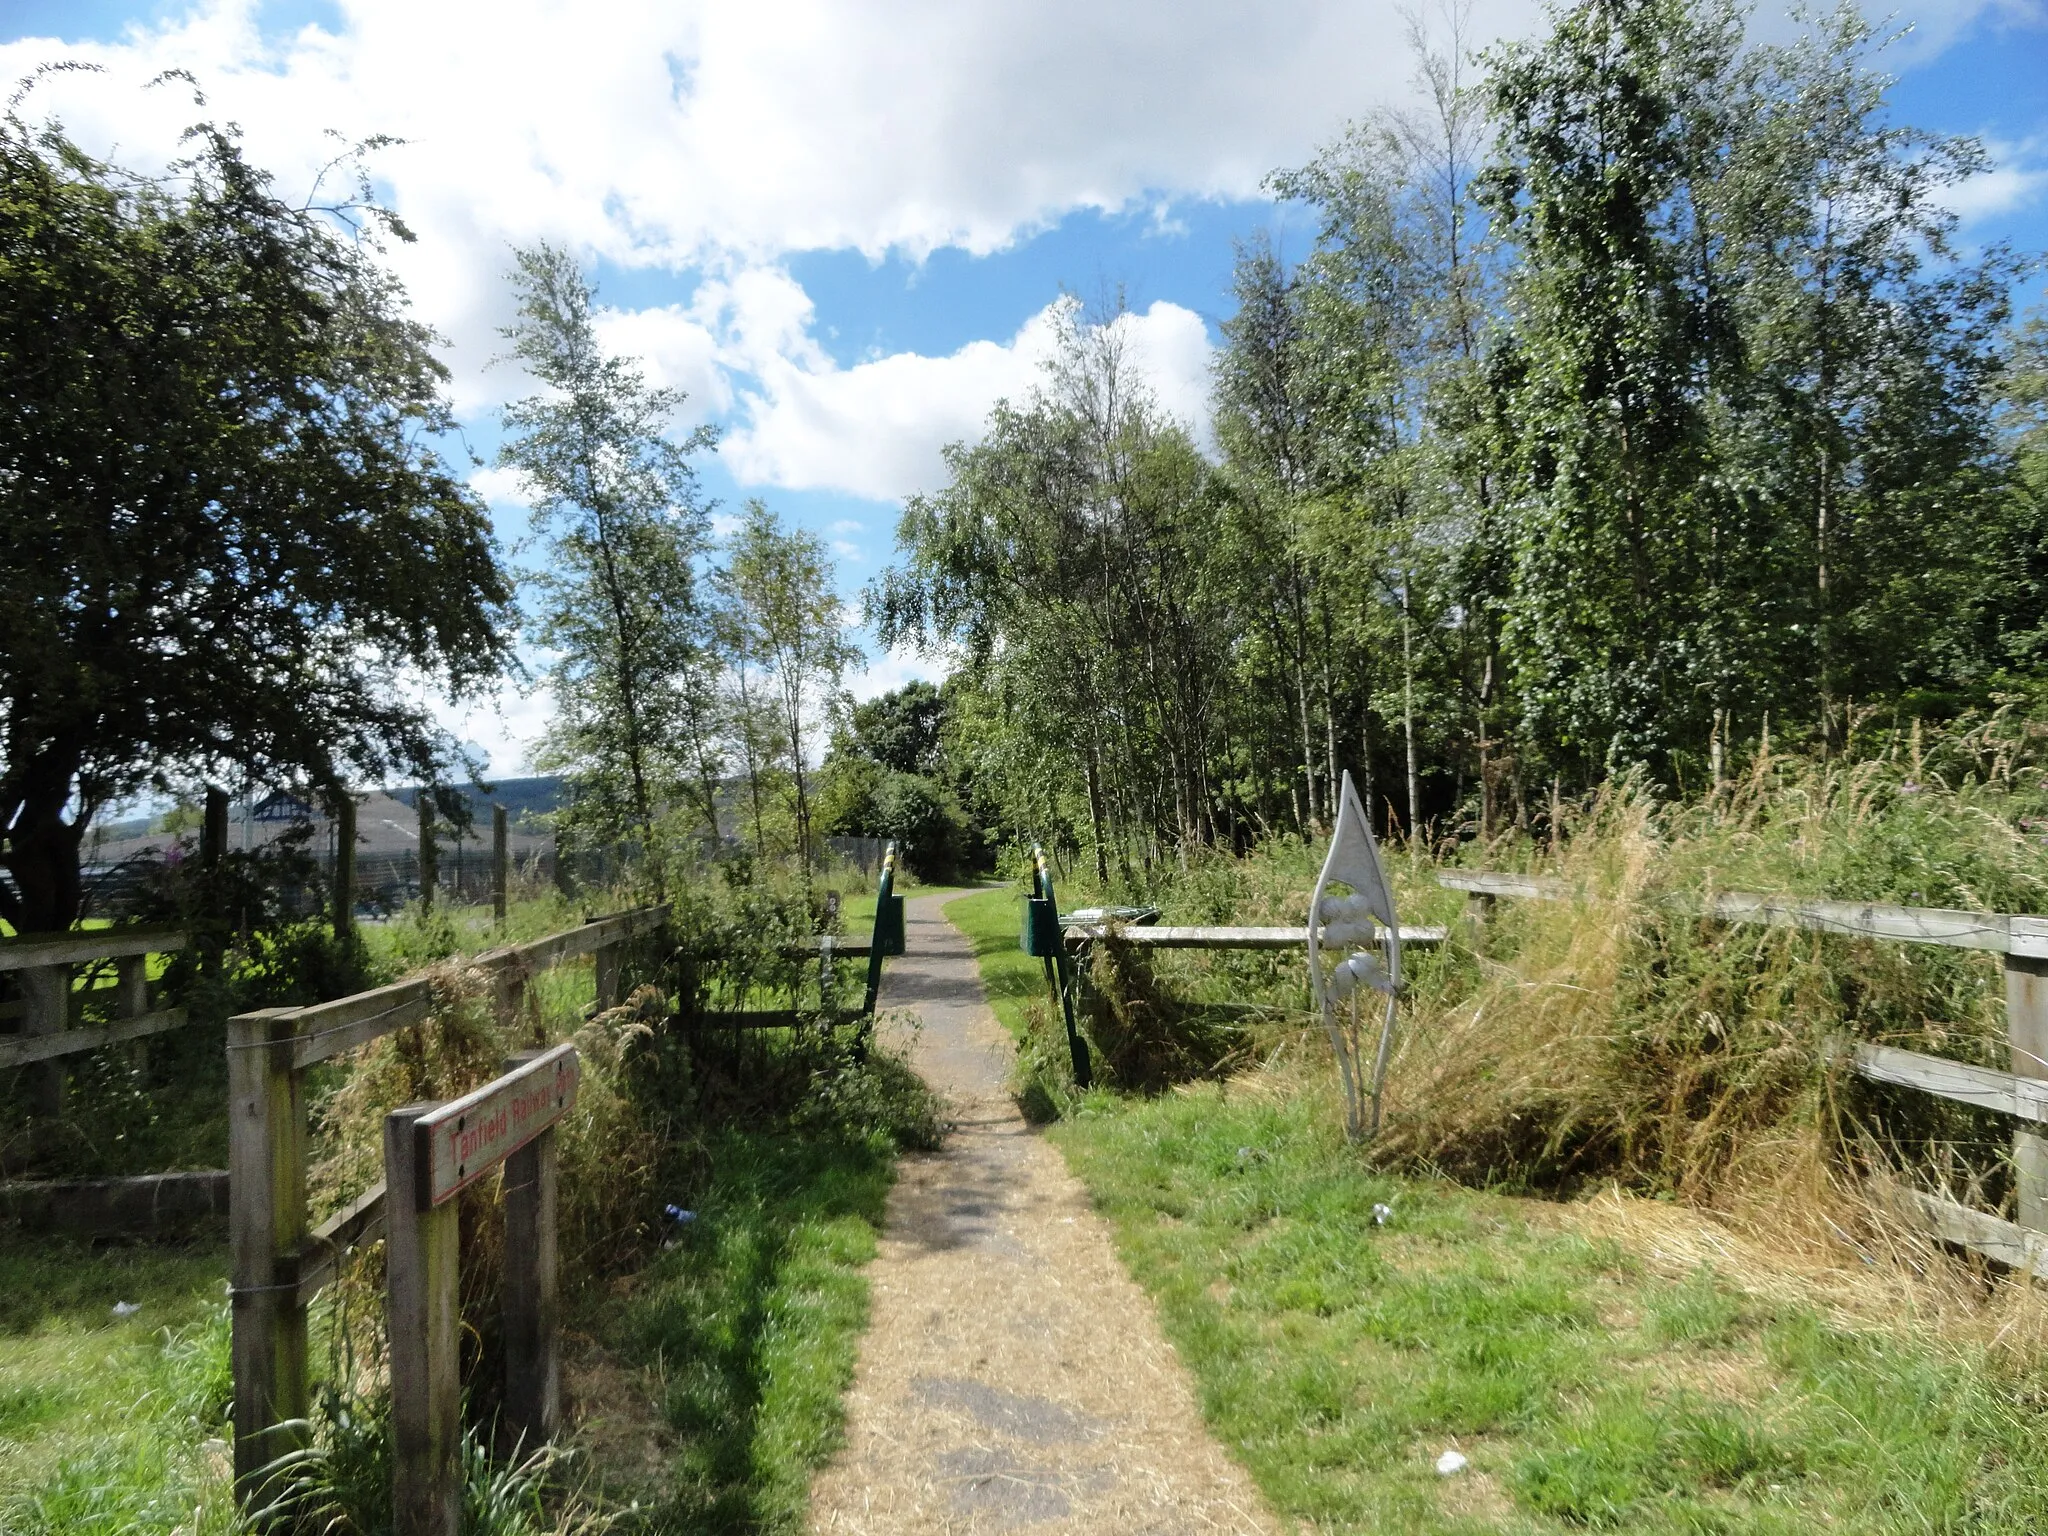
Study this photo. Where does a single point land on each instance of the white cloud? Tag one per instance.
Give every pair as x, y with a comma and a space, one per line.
719, 137
711, 140
891, 670
2017, 177
875, 429
501, 486
847, 525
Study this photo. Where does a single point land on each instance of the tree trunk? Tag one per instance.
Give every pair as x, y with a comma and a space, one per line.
1408, 721
42, 849
1091, 769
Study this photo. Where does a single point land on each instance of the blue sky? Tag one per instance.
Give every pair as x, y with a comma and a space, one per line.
842, 236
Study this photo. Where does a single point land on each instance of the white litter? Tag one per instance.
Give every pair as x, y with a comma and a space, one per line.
1380, 1213
1451, 1462
127, 1308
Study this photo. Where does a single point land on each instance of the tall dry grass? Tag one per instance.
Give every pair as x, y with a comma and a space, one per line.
1614, 1035
1614, 1039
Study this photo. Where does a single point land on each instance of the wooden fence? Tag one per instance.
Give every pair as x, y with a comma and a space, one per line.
278, 1262
431, 1153
49, 1002
2021, 1093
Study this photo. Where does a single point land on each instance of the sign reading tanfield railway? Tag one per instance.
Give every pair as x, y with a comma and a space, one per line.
465, 1138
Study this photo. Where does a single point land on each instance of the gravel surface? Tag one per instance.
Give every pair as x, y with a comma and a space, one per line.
1013, 1376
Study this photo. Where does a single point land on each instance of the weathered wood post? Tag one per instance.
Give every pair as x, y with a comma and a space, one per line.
344, 866
432, 1152
1478, 914
131, 998
213, 829
421, 1242
501, 859
429, 853
267, 1230
2026, 1026
46, 1010
533, 1365
606, 961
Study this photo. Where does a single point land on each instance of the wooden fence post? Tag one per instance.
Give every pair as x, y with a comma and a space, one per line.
1478, 913
345, 866
429, 854
131, 998
607, 963
501, 861
2026, 1030
46, 1010
213, 829
426, 1387
533, 1369
267, 1230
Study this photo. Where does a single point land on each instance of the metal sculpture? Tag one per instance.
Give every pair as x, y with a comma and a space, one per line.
1353, 909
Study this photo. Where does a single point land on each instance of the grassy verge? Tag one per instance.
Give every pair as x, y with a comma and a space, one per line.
739, 1340
105, 1420
1013, 980
1339, 1357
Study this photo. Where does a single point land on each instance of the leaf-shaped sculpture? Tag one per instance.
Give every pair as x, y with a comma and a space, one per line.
1363, 914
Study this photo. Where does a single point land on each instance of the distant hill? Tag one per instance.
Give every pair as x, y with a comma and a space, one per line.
521, 798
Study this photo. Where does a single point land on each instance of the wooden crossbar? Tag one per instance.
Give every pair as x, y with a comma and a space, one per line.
1219, 938
23, 1049
1997, 933
2025, 1098
1993, 1237
774, 1018
358, 1222
90, 944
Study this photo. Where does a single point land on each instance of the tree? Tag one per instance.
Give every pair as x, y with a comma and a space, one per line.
790, 622
1068, 561
228, 539
1600, 125
616, 498
903, 730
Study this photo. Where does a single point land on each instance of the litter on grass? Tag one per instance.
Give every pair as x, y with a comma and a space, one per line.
127, 1308
1451, 1462
1380, 1213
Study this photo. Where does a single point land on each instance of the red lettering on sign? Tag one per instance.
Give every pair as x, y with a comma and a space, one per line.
467, 1138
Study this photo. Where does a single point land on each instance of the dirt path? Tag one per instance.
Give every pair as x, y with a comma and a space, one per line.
1012, 1375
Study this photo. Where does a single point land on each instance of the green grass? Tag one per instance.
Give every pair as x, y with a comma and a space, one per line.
105, 1421
752, 1321
991, 919
748, 1322
1337, 1357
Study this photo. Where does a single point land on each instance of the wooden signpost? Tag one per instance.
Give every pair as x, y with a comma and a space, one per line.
431, 1153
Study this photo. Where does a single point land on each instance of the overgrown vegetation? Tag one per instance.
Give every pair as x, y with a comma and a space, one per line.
1615, 1034
738, 1324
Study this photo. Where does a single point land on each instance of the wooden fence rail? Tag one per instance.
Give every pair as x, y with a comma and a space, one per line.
47, 1010
2021, 1093
1218, 938
278, 1262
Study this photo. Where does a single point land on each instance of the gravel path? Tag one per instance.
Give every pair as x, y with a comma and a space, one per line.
1013, 1376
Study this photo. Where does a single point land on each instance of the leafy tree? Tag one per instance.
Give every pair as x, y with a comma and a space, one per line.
616, 498
1066, 560
1608, 341
903, 729
788, 617
229, 541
